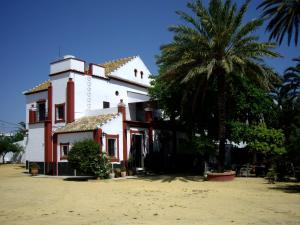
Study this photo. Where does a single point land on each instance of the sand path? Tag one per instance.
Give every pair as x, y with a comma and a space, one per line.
154, 200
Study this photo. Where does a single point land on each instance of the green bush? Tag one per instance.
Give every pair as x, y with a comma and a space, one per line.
86, 157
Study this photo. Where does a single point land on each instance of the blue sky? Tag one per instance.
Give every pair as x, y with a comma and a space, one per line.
32, 32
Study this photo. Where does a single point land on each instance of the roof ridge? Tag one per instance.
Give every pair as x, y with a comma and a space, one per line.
86, 123
39, 87
113, 65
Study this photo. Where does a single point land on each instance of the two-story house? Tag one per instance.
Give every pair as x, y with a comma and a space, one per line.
104, 102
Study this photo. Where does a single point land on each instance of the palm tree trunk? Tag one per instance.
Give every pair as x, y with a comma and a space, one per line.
221, 119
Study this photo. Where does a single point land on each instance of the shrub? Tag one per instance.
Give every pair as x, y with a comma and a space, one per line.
86, 157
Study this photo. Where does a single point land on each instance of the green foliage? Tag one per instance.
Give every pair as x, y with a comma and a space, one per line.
7, 145
165, 92
283, 16
248, 102
86, 157
203, 145
268, 141
259, 138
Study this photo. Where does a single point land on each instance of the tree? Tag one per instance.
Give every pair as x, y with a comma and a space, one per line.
213, 46
284, 19
7, 145
86, 157
292, 80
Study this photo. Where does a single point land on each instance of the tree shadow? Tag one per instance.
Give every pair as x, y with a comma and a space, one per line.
288, 188
77, 179
168, 178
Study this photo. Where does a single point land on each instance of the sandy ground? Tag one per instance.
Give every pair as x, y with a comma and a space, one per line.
153, 200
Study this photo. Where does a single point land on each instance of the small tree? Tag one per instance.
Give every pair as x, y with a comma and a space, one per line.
87, 157
7, 145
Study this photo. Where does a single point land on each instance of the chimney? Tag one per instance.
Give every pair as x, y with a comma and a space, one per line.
122, 109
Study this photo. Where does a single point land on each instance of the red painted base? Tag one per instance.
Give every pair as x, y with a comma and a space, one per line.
225, 176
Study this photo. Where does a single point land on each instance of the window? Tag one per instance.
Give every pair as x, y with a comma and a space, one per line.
142, 73
117, 93
64, 150
105, 105
112, 146
60, 113
135, 72
41, 110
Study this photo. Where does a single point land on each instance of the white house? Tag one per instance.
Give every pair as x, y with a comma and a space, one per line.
104, 102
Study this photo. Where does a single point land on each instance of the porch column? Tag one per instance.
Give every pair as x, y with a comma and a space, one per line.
98, 137
70, 101
122, 110
149, 119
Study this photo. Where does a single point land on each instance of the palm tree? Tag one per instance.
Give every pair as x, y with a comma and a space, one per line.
292, 80
284, 18
212, 46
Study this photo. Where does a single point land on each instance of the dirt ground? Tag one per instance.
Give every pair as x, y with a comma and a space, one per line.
153, 200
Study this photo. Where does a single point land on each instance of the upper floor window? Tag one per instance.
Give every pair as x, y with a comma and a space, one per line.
41, 110
142, 74
105, 105
135, 72
60, 112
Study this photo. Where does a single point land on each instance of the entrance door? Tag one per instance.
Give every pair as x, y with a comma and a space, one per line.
137, 148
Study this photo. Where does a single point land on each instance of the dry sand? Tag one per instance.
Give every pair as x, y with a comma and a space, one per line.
153, 200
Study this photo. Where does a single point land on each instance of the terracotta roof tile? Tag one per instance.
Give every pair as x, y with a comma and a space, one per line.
41, 87
111, 66
86, 123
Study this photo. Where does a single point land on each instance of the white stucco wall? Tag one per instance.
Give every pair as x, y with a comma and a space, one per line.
59, 92
127, 71
114, 127
32, 99
71, 138
35, 143
81, 94
105, 90
67, 64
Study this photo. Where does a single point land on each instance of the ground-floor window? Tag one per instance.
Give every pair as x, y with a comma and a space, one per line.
64, 150
112, 146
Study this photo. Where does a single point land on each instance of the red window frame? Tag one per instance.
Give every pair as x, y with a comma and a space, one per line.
115, 158
57, 120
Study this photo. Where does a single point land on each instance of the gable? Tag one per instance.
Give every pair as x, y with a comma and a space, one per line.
132, 70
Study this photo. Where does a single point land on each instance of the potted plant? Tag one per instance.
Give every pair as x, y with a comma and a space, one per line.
123, 171
34, 168
112, 174
130, 166
117, 172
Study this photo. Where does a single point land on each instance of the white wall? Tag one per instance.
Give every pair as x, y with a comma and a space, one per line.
71, 138
35, 143
67, 64
59, 92
81, 94
114, 127
127, 71
32, 99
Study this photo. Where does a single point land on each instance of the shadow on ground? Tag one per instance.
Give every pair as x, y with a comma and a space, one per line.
171, 178
289, 188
